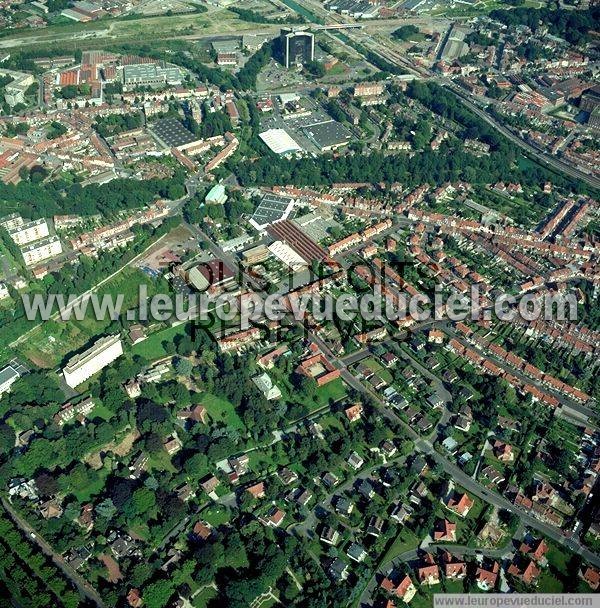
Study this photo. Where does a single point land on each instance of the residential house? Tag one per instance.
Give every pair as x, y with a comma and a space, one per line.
460, 503
356, 552
444, 531
343, 506
487, 574
330, 536
375, 526
330, 479
435, 401
525, 570
172, 444
455, 570
354, 412
503, 451
197, 414
365, 488
388, 448
86, 517
287, 476
419, 466
209, 484
355, 461
389, 359
401, 512
428, 573
256, 490
535, 549
51, 509
275, 517
450, 444
404, 589
265, 385
338, 570
134, 599
591, 576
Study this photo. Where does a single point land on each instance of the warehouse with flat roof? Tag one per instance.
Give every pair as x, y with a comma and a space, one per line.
328, 135
272, 207
171, 133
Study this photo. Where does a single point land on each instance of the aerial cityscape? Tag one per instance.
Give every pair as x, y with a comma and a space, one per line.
299, 303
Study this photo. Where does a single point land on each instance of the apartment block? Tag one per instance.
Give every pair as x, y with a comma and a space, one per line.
29, 231
86, 364
41, 250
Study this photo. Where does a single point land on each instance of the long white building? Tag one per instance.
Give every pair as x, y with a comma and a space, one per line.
29, 231
85, 365
41, 250
8, 376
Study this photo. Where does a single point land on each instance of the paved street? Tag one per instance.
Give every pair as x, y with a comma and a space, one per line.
84, 588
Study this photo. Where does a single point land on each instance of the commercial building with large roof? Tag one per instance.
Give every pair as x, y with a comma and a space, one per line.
280, 141
213, 275
283, 252
216, 195
272, 207
289, 233
328, 135
172, 134
8, 376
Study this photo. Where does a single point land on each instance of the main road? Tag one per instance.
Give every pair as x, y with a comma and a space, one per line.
542, 157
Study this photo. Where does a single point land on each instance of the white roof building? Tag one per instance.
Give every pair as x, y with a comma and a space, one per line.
216, 196
8, 376
83, 366
288, 256
280, 141
266, 387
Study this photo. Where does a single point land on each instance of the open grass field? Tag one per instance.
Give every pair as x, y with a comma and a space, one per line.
216, 21
51, 341
203, 597
220, 409
152, 347
405, 541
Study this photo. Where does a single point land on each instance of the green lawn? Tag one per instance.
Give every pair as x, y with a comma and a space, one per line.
261, 460
220, 409
378, 369
216, 515
151, 348
557, 557
405, 541
86, 493
332, 390
549, 583
160, 461
204, 596
101, 411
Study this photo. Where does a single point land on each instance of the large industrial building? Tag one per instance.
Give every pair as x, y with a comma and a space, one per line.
272, 208
298, 46
280, 141
85, 365
150, 75
212, 276
328, 135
